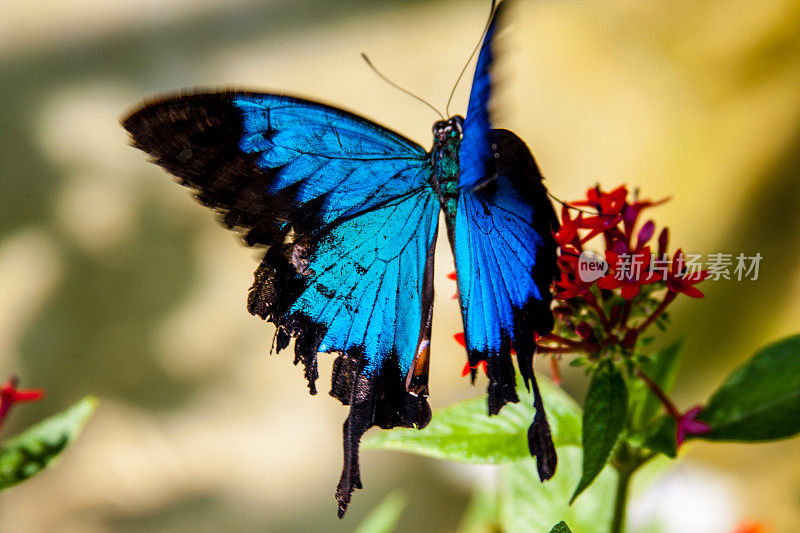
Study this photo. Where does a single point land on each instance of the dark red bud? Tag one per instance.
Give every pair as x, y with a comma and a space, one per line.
585, 331
663, 241
614, 315
645, 234
630, 339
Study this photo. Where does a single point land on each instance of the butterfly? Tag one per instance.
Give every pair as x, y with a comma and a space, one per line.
348, 212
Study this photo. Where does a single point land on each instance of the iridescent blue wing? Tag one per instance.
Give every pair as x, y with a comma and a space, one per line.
350, 219
505, 255
506, 260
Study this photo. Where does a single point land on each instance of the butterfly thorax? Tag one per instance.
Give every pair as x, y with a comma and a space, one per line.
444, 158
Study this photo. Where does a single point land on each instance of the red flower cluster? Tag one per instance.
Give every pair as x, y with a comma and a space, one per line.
607, 299
10, 394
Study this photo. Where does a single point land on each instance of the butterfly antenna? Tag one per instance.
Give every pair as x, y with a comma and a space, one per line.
396, 86
474, 51
567, 205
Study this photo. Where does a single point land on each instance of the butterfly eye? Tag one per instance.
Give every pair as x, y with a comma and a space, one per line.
456, 122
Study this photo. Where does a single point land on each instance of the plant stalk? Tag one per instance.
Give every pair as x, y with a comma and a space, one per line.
621, 499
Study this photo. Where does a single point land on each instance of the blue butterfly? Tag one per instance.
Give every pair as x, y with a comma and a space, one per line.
349, 212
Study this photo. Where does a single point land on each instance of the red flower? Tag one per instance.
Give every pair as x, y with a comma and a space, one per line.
568, 230
454, 277
628, 271
750, 527
687, 425
459, 337
606, 203
571, 286
678, 280
467, 369
9, 395
600, 224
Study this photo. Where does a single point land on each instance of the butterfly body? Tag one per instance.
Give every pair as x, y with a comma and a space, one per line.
348, 213
444, 159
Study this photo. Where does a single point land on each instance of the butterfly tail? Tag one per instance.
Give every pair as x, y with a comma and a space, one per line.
540, 440
377, 398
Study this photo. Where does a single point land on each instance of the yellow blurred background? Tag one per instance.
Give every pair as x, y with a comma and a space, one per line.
113, 282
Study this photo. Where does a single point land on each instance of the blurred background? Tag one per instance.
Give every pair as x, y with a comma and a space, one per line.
113, 282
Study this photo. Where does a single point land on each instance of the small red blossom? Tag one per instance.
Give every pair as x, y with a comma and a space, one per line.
568, 231
750, 527
629, 271
687, 425
571, 286
663, 242
679, 280
467, 368
10, 394
606, 203
453, 276
459, 337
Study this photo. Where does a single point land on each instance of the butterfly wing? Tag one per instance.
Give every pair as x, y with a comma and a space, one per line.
475, 150
505, 255
350, 219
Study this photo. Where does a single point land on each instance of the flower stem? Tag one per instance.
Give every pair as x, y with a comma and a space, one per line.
655, 314
621, 500
666, 402
559, 349
554, 370
626, 461
626, 312
559, 338
592, 301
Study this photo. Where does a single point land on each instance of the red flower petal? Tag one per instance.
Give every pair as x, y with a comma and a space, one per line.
459, 337
10, 394
692, 291
466, 370
629, 290
609, 283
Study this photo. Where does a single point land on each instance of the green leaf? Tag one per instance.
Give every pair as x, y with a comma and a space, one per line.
663, 436
604, 415
384, 518
662, 368
30, 452
464, 432
528, 505
561, 527
759, 401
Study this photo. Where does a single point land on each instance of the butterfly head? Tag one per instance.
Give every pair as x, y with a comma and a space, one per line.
444, 130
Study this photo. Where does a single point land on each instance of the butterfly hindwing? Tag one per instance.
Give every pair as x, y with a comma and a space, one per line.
505, 259
349, 216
